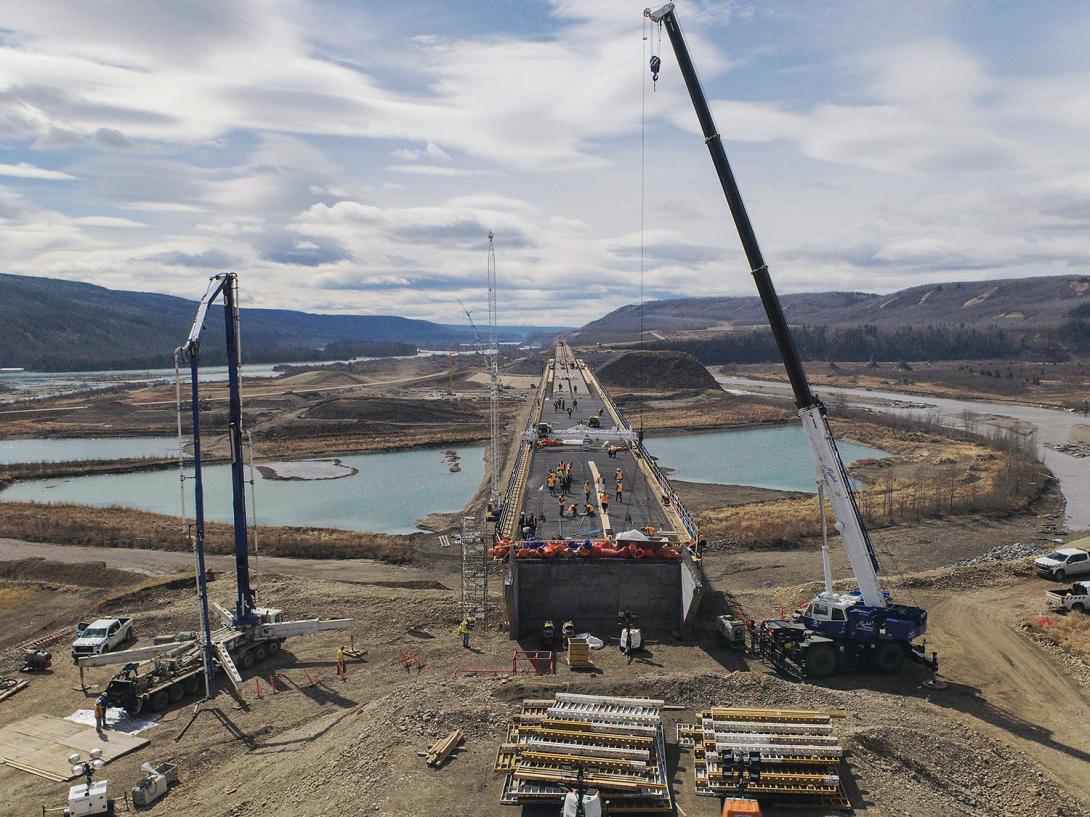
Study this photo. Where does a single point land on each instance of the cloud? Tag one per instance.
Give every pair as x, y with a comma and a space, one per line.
25, 170
106, 221
437, 170
207, 259
305, 253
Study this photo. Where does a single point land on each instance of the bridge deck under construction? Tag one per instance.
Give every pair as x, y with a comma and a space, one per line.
663, 585
641, 505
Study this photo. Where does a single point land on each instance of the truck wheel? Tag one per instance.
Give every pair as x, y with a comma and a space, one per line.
177, 692
158, 702
261, 652
821, 661
246, 660
1078, 607
889, 656
274, 647
192, 684
1060, 575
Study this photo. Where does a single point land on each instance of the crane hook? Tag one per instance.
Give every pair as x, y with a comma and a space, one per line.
656, 64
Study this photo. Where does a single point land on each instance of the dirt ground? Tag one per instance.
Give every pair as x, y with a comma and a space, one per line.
1006, 735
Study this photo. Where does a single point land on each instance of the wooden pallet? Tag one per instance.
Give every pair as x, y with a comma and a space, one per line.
579, 654
441, 749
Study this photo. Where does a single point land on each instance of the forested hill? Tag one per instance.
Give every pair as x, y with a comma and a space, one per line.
1045, 317
54, 325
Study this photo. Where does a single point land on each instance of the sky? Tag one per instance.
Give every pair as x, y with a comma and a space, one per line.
351, 157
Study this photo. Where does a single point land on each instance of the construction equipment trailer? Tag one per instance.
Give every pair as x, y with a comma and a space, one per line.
154, 677
836, 631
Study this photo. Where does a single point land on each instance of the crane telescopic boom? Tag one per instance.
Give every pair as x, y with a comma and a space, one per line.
225, 284
831, 468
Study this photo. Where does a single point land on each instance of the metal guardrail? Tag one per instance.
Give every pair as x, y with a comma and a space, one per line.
510, 508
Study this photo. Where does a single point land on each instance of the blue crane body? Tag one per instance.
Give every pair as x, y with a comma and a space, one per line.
835, 631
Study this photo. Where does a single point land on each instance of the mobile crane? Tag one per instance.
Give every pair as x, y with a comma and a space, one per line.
157, 675
834, 632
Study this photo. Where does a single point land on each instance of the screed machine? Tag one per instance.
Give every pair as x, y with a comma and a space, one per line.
836, 631
157, 675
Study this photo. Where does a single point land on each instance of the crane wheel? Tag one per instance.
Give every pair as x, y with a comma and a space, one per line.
177, 692
246, 660
158, 702
192, 684
260, 653
1078, 607
821, 661
889, 656
274, 647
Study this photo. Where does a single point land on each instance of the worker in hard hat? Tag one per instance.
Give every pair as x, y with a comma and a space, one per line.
342, 670
102, 703
463, 631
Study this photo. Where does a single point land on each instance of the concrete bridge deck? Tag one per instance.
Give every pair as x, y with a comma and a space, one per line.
665, 594
640, 505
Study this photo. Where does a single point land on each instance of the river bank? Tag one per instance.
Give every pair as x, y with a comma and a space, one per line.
1053, 427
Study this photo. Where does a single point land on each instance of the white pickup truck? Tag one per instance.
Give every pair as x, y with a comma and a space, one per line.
1076, 597
100, 636
1063, 563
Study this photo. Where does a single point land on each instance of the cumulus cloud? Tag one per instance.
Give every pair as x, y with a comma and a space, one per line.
346, 163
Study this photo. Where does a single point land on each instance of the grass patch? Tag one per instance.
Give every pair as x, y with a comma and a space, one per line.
69, 524
1070, 632
928, 475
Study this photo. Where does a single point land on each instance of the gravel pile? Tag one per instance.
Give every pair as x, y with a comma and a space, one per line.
1003, 553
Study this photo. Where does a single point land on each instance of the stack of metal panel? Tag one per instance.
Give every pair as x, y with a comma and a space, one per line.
617, 743
789, 756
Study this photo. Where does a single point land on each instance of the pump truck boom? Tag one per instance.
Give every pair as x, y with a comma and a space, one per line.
153, 677
835, 631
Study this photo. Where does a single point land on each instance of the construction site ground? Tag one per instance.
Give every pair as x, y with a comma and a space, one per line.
1006, 736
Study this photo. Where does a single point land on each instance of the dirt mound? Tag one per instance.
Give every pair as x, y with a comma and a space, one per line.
83, 574
364, 409
661, 371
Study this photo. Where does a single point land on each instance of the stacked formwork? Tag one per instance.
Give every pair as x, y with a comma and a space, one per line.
790, 756
618, 744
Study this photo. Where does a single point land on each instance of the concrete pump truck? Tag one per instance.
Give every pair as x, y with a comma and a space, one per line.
836, 631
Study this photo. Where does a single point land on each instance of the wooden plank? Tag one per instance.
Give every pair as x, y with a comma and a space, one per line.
441, 749
17, 688
41, 745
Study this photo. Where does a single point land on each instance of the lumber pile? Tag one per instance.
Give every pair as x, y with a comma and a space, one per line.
441, 749
617, 742
579, 654
788, 755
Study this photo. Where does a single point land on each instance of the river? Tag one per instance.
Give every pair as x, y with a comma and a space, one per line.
775, 457
1053, 426
388, 494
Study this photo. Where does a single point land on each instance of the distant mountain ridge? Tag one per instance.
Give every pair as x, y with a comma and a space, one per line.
1017, 304
57, 325
1030, 318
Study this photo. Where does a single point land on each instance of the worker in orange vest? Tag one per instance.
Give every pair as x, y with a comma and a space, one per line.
603, 499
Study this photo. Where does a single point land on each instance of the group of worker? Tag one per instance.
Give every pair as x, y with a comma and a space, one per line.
528, 524
559, 480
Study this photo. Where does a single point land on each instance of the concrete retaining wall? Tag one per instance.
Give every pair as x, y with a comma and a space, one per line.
590, 592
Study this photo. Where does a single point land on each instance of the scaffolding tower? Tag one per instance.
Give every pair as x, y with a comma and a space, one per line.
474, 569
